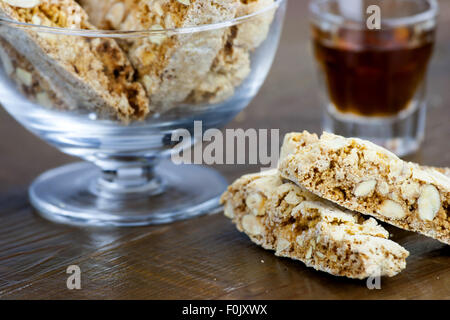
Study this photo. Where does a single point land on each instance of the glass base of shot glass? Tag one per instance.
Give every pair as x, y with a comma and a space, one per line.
402, 134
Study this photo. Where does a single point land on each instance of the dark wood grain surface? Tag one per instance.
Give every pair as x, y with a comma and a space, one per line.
207, 258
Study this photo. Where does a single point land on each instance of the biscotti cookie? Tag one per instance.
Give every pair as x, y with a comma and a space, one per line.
29, 82
230, 68
295, 223
169, 66
91, 73
252, 33
232, 65
366, 178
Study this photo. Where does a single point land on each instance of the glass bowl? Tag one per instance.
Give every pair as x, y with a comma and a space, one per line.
115, 99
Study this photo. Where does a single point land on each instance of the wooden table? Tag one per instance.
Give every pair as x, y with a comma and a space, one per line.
207, 258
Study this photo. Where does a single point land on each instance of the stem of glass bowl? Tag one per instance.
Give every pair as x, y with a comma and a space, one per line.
127, 178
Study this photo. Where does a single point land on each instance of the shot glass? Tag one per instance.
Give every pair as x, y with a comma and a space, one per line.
373, 73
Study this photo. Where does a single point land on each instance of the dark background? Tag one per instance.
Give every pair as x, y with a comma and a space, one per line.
206, 257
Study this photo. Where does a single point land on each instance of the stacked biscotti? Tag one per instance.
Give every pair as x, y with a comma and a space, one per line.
282, 216
132, 78
313, 207
88, 73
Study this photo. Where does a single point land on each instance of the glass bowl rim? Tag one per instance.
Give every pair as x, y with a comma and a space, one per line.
318, 13
140, 33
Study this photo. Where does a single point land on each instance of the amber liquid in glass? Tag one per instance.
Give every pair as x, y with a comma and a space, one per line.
373, 73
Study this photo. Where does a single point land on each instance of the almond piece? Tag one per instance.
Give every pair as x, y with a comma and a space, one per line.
36, 20
410, 190
157, 38
382, 188
392, 209
255, 202
24, 77
292, 198
7, 63
309, 253
370, 155
365, 188
251, 225
429, 202
44, 100
283, 189
157, 9
282, 245
116, 14
352, 159
23, 3
333, 142
265, 184
320, 255
185, 2
228, 210
396, 168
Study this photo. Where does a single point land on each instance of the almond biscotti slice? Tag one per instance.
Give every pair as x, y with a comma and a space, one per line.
295, 223
91, 73
230, 68
232, 65
366, 178
169, 66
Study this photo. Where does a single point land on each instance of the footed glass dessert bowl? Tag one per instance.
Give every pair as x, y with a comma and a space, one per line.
112, 81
